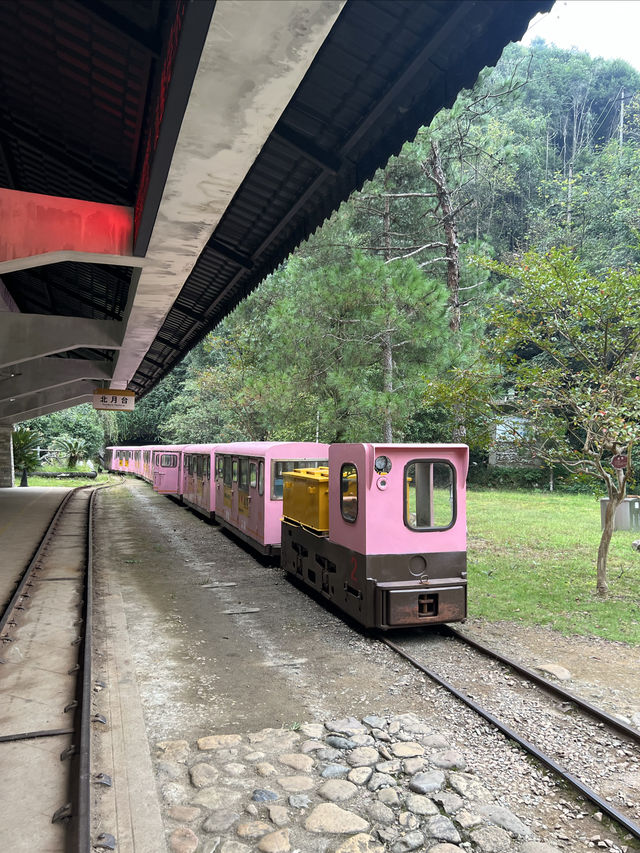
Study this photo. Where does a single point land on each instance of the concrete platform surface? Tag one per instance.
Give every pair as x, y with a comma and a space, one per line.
24, 517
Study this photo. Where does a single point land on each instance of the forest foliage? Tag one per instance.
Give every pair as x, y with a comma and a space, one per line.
351, 337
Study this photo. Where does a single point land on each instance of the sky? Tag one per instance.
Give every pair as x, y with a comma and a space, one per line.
607, 28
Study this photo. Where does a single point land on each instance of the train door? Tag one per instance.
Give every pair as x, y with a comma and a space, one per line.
189, 490
243, 493
157, 476
166, 473
203, 481
224, 489
255, 522
217, 474
234, 490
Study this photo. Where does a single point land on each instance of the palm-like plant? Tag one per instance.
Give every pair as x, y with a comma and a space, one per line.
25, 449
73, 448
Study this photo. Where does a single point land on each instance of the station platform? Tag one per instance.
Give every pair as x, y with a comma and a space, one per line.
232, 702
24, 517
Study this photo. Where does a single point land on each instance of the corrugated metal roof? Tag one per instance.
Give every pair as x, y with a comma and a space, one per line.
78, 83
75, 83
385, 69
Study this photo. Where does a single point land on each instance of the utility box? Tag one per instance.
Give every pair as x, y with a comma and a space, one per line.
627, 515
305, 498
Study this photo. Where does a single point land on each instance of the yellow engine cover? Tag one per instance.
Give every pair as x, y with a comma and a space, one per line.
305, 498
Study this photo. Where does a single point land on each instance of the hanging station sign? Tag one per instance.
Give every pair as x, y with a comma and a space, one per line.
113, 400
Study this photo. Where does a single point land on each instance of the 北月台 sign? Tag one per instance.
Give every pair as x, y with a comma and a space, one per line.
112, 400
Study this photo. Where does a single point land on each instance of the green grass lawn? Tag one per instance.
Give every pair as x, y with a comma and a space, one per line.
532, 558
70, 483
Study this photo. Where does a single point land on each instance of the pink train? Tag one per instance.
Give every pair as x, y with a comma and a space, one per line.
391, 551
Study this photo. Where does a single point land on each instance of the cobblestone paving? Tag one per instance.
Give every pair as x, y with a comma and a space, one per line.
342, 786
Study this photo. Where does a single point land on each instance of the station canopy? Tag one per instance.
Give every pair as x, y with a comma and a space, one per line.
159, 158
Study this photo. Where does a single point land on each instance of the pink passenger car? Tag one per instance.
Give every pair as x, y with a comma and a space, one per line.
249, 486
198, 483
395, 553
146, 469
167, 469
121, 459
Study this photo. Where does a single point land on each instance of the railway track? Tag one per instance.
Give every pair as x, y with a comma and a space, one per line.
45, 688
553, 728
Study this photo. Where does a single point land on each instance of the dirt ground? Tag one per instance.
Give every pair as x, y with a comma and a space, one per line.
224, 643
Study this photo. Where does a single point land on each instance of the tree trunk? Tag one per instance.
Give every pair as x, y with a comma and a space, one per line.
435, 173
569, 194
616, 496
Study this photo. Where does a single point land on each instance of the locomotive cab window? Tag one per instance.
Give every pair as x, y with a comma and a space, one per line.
168, 460
349, 492
429, 495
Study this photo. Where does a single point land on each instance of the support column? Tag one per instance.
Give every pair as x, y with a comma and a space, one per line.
6, 457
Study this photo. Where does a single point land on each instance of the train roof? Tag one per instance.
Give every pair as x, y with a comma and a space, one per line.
260, 448
199, 448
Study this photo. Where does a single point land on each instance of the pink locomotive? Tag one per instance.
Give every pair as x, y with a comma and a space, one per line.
379, 530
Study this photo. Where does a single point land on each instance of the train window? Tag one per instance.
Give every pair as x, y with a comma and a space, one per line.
261, 477
243, 480
168, 460
253, 475
234, 468
208, 468
227, 470
429, 495
199, 466
219, 467
278, 467
349, 492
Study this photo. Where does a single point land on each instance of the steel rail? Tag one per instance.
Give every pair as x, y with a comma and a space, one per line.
585, 790
563, 693
81, 830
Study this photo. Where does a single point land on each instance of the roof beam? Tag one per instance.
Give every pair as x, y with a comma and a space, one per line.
303, 145
24, 337
41, 373
253, 60
229, 254
42, 229
49, 400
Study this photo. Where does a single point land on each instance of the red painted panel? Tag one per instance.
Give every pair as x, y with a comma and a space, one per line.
33, 224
